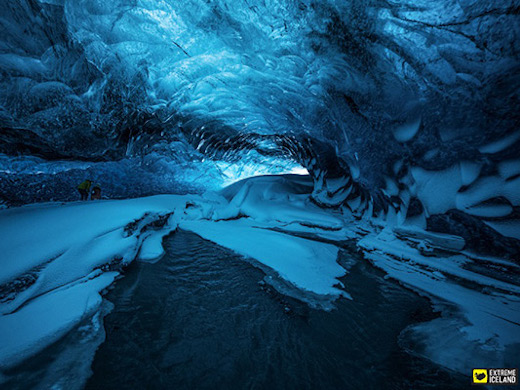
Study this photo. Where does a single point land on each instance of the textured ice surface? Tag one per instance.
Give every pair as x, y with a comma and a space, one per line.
393, 108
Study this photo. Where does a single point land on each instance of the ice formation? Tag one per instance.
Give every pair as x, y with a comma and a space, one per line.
58, 258
406, 108
404, 114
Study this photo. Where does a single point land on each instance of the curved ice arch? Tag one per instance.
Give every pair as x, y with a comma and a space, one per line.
389, 90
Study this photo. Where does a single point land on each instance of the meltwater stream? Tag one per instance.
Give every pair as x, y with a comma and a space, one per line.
202, 318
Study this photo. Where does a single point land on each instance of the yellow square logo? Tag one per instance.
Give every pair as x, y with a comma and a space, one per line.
480, 375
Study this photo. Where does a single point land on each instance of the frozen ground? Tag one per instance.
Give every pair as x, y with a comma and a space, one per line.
57, 259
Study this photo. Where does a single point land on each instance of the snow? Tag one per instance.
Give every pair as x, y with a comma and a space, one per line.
481, 314
53, 257
52, 229
509, 168
152, 249
310, 265
233, 172
438, 240
281, 199
496, 210
509, 228
437, 190
58, 258
469, 171
61, 254
489, 187
62, 243
440, 191
45, 320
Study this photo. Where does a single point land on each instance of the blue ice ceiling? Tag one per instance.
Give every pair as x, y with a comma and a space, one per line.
384, 102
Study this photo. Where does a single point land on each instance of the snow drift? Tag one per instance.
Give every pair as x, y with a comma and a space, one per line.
58, 259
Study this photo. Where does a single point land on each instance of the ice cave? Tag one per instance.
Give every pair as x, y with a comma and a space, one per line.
259, 194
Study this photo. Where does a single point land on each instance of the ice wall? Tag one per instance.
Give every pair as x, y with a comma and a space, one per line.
406, 109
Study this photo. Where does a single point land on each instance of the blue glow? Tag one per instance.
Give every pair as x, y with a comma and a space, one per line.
356, 92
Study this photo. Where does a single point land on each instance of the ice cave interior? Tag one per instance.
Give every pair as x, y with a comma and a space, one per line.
393, 123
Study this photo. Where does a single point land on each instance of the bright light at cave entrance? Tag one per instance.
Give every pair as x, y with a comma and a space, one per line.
232, 173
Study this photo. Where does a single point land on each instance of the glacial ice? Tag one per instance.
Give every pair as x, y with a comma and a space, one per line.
354, 92
403, 114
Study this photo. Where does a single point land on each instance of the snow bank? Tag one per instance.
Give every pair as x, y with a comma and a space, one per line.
58, 258
35, 234
52, 245
309, 265
481, 310
281, 199
46, 319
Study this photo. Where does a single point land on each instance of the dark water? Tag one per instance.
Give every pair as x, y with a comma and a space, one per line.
201, 319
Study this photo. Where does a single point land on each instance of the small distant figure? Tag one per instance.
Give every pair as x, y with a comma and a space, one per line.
84, 189
96, 192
